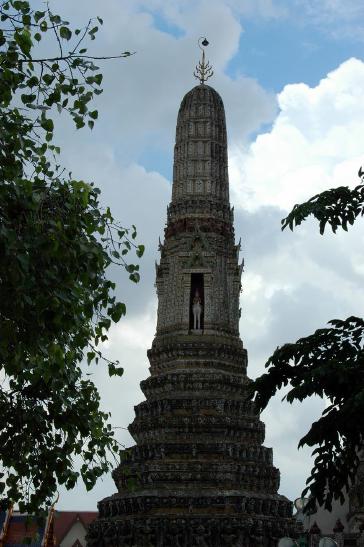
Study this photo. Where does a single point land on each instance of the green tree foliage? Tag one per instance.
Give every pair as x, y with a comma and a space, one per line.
56, 301
329, 363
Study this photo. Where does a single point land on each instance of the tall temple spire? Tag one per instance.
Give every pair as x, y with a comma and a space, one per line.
199, 216
202, 474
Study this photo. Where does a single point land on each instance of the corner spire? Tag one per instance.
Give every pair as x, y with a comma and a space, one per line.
203, 70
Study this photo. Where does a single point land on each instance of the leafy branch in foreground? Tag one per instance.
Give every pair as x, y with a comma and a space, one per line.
330, 364
337, 207
56, 243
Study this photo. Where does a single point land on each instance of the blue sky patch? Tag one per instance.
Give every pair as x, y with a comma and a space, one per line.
281, 52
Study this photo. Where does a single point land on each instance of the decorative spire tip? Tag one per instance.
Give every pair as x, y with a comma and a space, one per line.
203, 70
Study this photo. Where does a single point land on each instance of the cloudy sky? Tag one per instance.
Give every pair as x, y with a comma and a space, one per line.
291, 75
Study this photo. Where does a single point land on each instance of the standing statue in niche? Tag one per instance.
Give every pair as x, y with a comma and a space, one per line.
197, 310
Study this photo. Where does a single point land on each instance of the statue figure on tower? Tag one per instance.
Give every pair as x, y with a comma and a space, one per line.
197, 310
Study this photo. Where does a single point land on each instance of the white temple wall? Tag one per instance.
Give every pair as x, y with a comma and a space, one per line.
77, 532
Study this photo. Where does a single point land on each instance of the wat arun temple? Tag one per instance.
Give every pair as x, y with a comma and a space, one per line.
199, 473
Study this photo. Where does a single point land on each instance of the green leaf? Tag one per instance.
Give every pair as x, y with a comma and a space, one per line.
48, 78
55, 19
140, 250
65, 33
38, 15
79, 122
46, 123
26, 98
117, 311
33, 81
90, 356
115, 371
135, 277
23, 39
26, 20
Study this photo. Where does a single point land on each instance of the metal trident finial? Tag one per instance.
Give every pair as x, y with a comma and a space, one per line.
203, 70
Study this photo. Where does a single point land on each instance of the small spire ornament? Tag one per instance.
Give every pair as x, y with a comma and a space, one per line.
203, 70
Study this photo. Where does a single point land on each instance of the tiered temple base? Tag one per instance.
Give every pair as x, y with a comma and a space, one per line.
199, 475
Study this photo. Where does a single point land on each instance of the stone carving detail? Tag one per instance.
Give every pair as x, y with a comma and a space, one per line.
182, 532
200, 473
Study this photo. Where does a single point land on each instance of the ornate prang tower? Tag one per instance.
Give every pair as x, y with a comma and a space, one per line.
201, 474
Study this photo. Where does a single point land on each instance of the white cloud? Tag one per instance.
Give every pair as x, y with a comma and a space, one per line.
296, 282
128, 342
315, 143
334, 18
331, 10
267, 9
138, 109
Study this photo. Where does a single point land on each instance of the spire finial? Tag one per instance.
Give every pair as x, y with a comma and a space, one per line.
203, 70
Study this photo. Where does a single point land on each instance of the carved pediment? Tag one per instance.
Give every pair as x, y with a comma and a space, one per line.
198, 248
